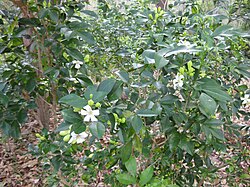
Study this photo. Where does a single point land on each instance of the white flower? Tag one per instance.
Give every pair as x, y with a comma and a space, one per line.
73, 80
77, 63
78, 138
186, 43
89, 113
178, 82
246, 99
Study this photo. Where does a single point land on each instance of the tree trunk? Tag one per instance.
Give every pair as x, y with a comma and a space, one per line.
163, 4
42, 105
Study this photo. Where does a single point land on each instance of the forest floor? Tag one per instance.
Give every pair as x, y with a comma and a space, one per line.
18, 168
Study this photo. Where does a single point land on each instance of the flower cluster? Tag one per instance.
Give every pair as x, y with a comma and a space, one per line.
246, 99
72, 137
77, 64
117, 121
90, 115
88, 112
178, 81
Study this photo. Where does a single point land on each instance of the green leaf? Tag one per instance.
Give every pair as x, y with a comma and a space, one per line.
217, 94
85, 79
116, 91
126, 151
4, 99
169, 100
207, 105
53, 14
213, 122
146, 176
78, 127
71, 117
126, 179
106, 85
86, 36
146, 113
160, 61
56, 162
137, 124
131, 166
77, 25
90, 13
22, 116
97, 95
6, 127
179, 49
97, 129
124, 76
222, 29
43, 13
73, 100
74, 53
186, 145
174, 140
137, 143
218, 133
213, 89
29, 21
62, 127
31, 84
149, 56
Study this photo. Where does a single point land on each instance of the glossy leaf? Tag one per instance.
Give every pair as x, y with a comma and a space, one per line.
146, 113
137, 124
73, 100
207, 105
97, 129
126, 178
146, 175
131, 166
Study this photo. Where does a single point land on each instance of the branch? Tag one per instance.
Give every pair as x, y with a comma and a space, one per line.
24, 8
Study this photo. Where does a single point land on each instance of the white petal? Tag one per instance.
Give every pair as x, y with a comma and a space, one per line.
83, 112
96, 112
73, 134
80, 139
93, 118
84, 134
77, 66
71, 140
87, 118
87, 108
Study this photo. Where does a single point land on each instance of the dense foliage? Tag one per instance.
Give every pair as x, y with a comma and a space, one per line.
146, 95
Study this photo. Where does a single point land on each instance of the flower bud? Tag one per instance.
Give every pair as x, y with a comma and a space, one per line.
42, 138
156, 16
182, 70
66, 138
91, 96
189, 64
64, 133
91, 102
116, 116
150, 16
38, 135
98, 105
86, 58
77, 109
123, 120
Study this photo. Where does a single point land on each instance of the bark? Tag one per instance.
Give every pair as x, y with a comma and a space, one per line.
42, 105
163, 4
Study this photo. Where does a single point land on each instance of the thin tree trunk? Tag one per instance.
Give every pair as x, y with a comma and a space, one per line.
42, 104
